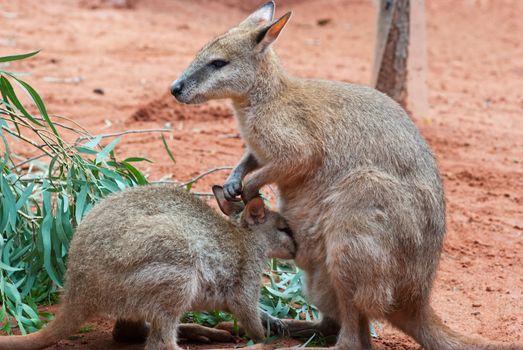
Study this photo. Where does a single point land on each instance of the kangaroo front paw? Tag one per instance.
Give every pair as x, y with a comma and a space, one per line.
232, 189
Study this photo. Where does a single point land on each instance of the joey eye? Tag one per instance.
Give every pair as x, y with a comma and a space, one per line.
287, 230
217, 64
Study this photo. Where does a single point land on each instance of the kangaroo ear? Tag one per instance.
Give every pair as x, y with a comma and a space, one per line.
228, 208
254, 212
262, 15
269, 33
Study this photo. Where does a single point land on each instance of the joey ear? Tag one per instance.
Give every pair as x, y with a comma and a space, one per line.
227, 207
269, 33
263, 14
254, 212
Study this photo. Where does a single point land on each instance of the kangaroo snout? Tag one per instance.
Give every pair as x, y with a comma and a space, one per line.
177, 88
183, 89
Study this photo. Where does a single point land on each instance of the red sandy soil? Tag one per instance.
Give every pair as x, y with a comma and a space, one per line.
475, 123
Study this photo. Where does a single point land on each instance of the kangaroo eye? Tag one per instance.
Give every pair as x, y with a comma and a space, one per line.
217, 64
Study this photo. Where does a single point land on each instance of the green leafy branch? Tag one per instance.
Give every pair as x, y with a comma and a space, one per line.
42, 202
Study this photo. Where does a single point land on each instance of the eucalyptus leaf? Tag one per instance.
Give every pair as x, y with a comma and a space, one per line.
93, 142
18, 57
104, 153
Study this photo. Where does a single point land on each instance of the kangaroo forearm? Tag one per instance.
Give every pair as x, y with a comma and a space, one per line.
247, 164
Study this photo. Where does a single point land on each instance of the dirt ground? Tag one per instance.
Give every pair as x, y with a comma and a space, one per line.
475, 123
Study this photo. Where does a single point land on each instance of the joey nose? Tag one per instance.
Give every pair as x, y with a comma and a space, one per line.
176, 88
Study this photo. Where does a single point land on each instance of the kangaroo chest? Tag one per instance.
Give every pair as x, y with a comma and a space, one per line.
258, 139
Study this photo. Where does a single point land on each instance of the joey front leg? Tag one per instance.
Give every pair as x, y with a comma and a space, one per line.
249, 318
233, 185
244, 306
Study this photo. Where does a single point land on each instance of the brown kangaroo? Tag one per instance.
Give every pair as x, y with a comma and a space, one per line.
358, 184
151, 253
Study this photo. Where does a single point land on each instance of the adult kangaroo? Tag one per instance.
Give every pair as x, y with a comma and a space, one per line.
358, 184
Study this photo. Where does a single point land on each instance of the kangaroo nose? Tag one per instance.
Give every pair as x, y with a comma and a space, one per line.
176, 88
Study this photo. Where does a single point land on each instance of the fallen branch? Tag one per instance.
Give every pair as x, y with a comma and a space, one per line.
203, 194
210, 171
71, 80
116, 134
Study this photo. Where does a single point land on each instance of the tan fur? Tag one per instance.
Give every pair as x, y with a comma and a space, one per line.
155, 252
358, 184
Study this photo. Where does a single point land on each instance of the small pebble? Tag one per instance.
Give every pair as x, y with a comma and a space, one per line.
324, 21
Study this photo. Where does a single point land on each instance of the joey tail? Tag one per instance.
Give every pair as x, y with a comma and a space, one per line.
66, 322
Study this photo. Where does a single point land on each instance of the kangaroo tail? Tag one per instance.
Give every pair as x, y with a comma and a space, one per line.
428, 330
67, 321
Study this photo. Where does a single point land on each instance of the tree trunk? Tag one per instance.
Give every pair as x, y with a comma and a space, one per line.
392, 49
417, 99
